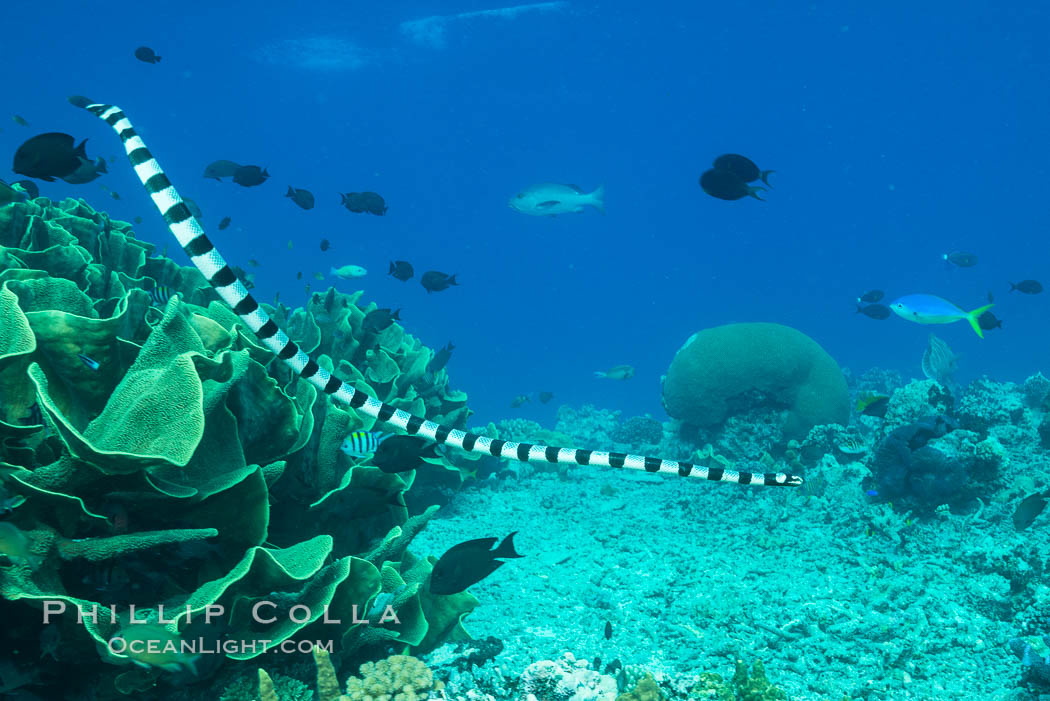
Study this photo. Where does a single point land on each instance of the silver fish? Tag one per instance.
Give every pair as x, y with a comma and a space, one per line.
552, 198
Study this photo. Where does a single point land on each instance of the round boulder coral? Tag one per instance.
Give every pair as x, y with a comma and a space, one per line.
732, 369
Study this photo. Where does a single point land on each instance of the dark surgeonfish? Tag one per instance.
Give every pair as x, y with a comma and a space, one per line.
369, 502
439, 361
49, 156
725, 185
743, 167
224, 223
303, 198
1029, 509
989, 321
31, 188
380, 319
10, 194
871, 296
146, 55
468, 563
364, 202
325, 245
434, 281
401, 269
403, 453
250, 176
217, 170
874, 311
961, 259
1028, 287
546, 397
87, 171
194, 208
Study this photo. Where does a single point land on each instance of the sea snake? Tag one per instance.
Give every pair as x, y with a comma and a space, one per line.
190, 235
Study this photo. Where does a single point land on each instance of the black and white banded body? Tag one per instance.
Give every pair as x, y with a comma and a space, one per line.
190, 235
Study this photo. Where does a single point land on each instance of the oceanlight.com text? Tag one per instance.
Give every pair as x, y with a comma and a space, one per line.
201, 646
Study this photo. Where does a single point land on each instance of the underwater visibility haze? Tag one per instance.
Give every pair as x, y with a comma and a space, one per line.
553, 351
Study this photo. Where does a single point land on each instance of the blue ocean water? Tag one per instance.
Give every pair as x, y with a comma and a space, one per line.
898, 133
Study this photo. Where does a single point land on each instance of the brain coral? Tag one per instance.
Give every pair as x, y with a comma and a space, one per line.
735, 368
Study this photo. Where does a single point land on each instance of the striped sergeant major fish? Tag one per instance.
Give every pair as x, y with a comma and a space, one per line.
160, 294
360, 444
190, 234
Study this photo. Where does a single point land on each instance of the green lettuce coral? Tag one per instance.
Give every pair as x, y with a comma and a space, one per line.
161, 456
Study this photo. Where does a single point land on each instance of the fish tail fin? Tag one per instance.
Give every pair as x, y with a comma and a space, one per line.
81, 150
392, 269
452, 279
975, 315
600, 373
506, 548
754, 190
598, 198
764, 176
1012, 287
290, 193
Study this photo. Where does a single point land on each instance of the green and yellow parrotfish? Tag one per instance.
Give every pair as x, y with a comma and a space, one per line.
872, 404
17, 546
930, 309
